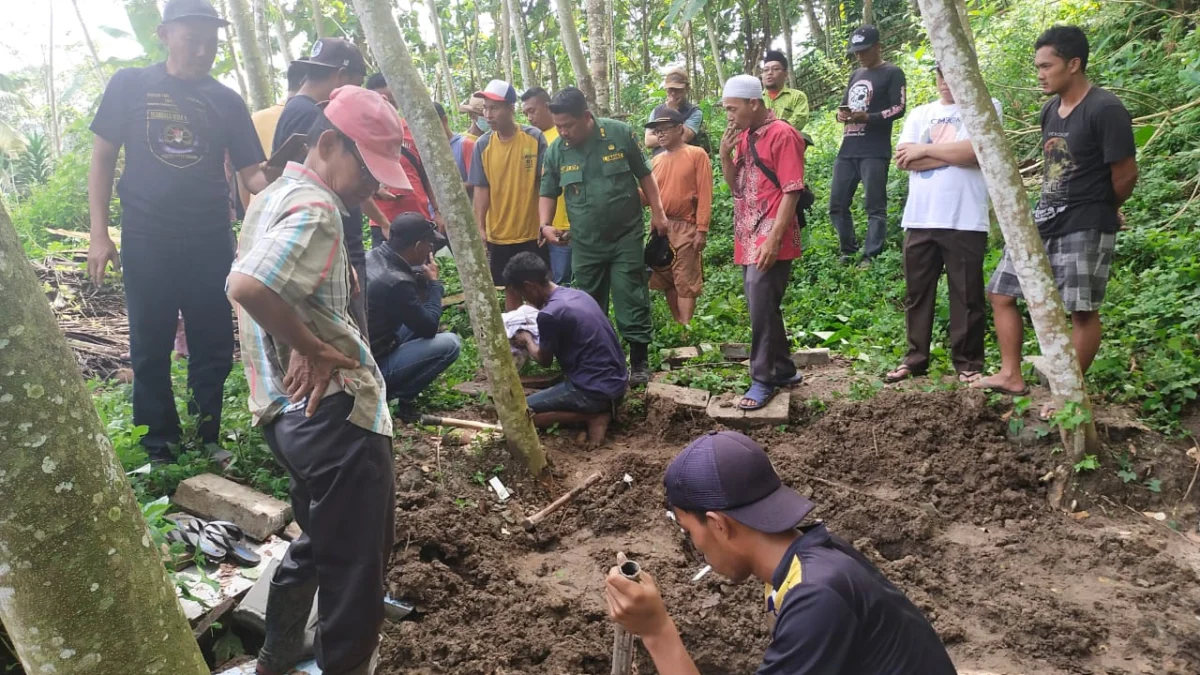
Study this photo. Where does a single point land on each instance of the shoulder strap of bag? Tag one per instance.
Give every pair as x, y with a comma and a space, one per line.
771, 175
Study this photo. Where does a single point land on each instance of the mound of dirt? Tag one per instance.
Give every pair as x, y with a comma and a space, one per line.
926, 485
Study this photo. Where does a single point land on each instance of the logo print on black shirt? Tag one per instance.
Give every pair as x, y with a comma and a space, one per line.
172, 138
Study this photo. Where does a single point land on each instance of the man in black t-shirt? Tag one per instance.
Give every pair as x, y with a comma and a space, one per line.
334, 63
176, 124
1089, 169
874, 100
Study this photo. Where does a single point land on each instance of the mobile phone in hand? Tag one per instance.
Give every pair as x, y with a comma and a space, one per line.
845, 110
291, 150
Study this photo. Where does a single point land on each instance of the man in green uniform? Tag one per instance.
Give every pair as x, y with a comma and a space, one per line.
789, 105
597, 165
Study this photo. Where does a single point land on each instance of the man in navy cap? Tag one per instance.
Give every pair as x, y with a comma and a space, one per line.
176, 124
835, 613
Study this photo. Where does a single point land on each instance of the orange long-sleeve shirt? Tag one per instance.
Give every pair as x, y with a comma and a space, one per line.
685, 183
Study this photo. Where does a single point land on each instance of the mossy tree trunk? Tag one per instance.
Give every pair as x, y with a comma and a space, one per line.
711, 29
82, 588
258, 80
598, 53
436, 19
393, 57
570, 40
521, 38
952, 44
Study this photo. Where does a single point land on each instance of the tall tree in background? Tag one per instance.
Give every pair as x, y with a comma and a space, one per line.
952, 45
230, 38
570, 40
51, 96
87, 38
82, 589
263, 35
281, 34
868, 14
257, 78
522, 40
598, 53
505, 39
391, 52
644, 33
785, 20
610, 39
436, 20
318, 19
711, 29
814, 27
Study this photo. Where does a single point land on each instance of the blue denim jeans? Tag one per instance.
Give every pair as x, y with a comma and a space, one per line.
560, 264
566, 397
409, 368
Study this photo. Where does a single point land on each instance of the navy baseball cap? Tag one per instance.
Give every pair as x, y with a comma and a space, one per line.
178, 10
336, 53
863, 38
728, 472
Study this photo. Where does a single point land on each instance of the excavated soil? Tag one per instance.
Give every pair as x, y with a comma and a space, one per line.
927, 485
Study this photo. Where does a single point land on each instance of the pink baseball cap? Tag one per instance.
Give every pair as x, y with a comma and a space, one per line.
371, 122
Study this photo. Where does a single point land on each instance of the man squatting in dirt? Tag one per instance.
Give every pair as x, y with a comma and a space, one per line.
835, 613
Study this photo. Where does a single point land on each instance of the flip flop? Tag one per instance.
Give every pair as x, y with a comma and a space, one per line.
791, 381
901, 373
1006, 391
759, 392
969, 376
233, 539
191, 532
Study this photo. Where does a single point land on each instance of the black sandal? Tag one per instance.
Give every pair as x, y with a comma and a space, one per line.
233, 539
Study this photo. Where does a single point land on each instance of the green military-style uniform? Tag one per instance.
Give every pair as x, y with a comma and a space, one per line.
599, 183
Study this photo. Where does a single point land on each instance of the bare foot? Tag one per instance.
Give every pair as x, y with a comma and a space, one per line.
597, 429
1002, 384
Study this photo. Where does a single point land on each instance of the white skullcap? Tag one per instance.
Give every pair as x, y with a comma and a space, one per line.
742, 86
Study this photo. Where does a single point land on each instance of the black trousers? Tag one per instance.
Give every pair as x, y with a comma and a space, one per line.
926, 254
770, 353
343, 496
165, 276
848, 172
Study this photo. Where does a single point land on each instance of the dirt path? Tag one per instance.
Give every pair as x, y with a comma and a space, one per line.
925, 484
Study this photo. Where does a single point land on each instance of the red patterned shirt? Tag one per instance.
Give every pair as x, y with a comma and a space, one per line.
756, 199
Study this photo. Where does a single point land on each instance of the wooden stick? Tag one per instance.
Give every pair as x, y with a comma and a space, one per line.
532, 521
434, 420
622, 659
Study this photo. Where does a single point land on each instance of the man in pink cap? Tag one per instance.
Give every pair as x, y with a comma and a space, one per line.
315, 389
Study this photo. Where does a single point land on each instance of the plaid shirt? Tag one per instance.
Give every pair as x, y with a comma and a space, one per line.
292, 243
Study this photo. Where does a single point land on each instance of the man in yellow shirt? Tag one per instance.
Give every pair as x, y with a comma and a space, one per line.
535, 103
505, 172
267, 119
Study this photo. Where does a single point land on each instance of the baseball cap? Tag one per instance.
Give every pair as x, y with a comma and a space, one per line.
675, 78
664, 115
411, 227
472, 106
728, 472
336, 53
177, 10
371, 122
864, 37
499, 90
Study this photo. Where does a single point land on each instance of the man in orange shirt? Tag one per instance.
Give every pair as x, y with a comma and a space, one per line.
685, 181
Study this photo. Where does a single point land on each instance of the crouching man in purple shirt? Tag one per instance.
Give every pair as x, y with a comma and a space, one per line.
835, 613
572, 327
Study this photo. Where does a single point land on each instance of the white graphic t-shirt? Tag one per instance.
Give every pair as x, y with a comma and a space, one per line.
951, 197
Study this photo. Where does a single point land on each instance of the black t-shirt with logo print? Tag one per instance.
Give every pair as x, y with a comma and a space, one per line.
1077, 189
881, 93
175, 133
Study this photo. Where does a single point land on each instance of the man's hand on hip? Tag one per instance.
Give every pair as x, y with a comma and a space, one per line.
309, 376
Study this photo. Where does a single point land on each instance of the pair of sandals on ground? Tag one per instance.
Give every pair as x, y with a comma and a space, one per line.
760, 393
218, 540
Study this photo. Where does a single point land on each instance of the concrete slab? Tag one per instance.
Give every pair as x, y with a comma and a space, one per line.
682, 396
215, 498
736, 351
231, 580
723, 408
679, 355
292, 532
247, 668
811, 357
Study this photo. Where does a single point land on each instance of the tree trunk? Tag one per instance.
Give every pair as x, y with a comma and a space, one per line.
470, 257
598, 54
814, 27
745, 7
522, 42
263, 33
1021, 239
473, 47
281, 34
552, 64
318, 19
233, 57
610, 38
645, 34
441, 44
82, 588
712, 44
869, 12
87, 37
505, 52
252, 58
570, 39
965, 19
785, 20
51, 96
689, 58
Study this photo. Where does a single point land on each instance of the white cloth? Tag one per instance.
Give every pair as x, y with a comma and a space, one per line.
743, 86
952, 197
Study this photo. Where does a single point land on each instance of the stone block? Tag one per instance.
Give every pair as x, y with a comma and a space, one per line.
723, 409
811, 357
679, 355
1040, 369
216, 498
292, 532
736, 351
681, 396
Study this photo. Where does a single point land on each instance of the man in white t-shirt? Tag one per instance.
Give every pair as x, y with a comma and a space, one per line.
945, 227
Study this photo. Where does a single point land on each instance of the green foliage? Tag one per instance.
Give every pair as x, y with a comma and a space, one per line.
1088, 463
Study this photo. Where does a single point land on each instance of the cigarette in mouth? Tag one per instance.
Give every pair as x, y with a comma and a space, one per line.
702, 573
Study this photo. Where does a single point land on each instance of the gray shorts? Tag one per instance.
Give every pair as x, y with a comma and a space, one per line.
1081, 262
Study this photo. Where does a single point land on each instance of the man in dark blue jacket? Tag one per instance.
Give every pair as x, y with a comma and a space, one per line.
404, 308
835, 613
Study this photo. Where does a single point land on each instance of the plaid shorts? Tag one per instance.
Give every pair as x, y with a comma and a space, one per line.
1081, 262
